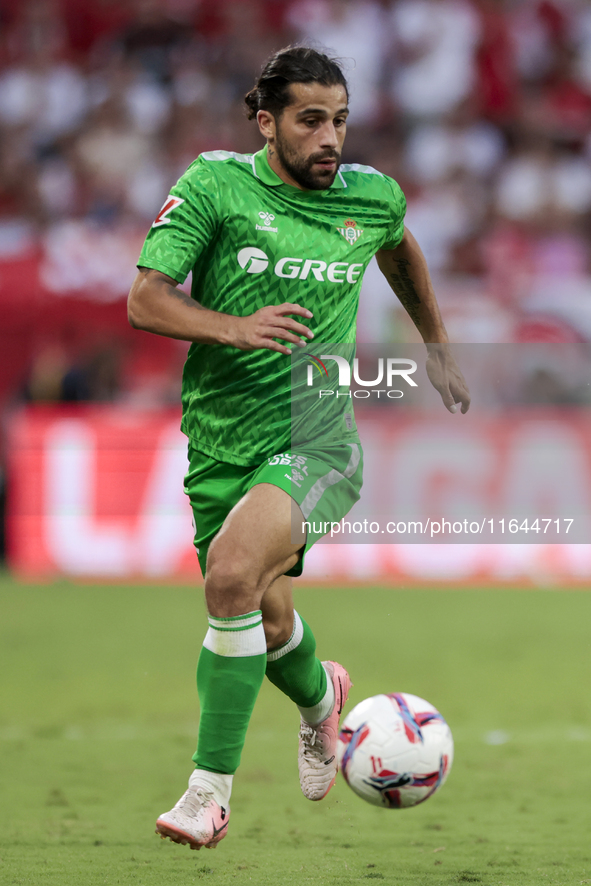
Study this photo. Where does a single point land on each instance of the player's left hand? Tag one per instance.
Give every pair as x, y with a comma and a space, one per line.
445, 376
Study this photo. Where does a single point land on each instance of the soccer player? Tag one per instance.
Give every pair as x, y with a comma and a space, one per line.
277, 243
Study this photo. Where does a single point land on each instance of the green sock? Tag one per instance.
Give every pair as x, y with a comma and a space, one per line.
229, 675
294, 668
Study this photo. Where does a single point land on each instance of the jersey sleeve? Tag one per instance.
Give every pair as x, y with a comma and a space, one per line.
398, 209
185, 225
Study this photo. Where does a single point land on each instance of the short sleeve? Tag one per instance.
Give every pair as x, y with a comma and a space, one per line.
398, 210
185, 225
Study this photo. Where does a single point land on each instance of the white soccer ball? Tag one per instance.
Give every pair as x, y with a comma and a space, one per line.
395, 750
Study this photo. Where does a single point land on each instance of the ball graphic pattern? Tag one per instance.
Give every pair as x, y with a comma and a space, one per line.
395, 750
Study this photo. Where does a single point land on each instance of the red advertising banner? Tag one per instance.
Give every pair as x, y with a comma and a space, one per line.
97, 492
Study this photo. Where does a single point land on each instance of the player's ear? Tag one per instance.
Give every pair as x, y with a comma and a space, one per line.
266, 122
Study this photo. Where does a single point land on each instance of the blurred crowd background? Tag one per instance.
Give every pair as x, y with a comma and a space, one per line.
481, 109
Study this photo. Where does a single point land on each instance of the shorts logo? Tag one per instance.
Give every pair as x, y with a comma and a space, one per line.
296, 463
253, 260
169, 204
350, 232
266, 218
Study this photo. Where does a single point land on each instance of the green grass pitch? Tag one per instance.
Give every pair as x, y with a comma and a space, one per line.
98, 717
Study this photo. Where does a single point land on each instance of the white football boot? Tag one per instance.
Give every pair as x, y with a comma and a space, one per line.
196, 819
317, 754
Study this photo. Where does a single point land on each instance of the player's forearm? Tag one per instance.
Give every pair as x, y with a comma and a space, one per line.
155, 305
405, 269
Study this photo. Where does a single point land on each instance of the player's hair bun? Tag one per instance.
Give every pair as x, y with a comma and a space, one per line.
294, 64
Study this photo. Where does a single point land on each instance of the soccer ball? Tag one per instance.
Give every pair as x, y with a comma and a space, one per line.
395, 750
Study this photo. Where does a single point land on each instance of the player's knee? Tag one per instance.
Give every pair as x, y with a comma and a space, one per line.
229, 588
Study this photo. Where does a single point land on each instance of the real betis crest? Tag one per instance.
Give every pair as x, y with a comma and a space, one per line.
350, 232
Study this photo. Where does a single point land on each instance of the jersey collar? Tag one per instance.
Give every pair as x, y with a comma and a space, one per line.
263, 171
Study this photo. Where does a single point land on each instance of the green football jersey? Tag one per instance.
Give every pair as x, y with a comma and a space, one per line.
251, 240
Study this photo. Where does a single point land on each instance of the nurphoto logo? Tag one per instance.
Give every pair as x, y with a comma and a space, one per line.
389, 371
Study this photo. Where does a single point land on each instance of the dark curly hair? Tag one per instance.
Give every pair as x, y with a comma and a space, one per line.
294, 64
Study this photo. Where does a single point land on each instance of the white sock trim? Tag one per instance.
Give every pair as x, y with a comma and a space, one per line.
236, 622
238, 637
293, 642
218, 783
319, 712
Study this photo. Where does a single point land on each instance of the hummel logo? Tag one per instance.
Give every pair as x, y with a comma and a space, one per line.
327, 762
266, 218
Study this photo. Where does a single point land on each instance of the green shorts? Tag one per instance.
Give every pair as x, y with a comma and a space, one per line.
325, 483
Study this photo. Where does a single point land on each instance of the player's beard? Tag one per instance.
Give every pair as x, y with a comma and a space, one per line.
301, 168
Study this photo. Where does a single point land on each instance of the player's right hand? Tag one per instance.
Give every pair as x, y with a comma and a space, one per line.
259, 330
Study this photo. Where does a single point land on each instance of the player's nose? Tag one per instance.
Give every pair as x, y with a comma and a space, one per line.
328, 136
